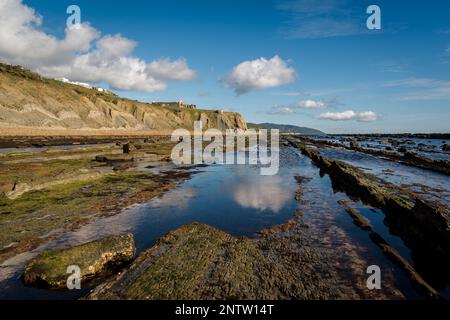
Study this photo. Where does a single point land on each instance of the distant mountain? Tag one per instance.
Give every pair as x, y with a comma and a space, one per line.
284, 128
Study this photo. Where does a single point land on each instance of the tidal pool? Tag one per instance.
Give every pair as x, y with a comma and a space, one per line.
238, 200
429, 148
431, 185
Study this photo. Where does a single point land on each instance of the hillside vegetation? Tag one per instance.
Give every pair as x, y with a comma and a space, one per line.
28, 100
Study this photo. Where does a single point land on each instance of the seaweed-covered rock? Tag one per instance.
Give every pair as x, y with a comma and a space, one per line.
394, 143
114, 158
395, 256
445, 147
358, 219
197, 261
49, 269
354, 144
422, 225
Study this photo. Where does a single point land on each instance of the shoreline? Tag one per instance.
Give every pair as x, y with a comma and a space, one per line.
289, 239
39, 132
33, 190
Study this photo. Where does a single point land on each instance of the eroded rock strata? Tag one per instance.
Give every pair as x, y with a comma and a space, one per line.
423, 225
49, 269
408, 157
30, 103
197, 261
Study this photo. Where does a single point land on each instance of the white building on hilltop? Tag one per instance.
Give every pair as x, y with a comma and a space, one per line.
81, 84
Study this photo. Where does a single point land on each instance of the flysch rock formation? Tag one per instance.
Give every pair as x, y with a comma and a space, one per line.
29, 101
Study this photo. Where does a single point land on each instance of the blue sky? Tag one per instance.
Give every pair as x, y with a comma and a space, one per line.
392, 80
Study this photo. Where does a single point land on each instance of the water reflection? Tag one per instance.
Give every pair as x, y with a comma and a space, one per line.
265, 193
178, 198
238, 200
431, 185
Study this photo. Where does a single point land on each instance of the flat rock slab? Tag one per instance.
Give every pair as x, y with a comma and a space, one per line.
197, 261
114, 158
49, 269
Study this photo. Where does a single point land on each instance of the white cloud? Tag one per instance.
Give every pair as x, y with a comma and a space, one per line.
281, 110
303, 104
259, 74
82, 55
171, 70
311, 104
365, 116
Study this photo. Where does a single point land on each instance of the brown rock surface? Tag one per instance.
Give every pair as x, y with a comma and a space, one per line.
29, 102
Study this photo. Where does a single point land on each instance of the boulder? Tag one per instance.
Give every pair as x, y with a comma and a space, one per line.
354, 144
96, 258
394, 143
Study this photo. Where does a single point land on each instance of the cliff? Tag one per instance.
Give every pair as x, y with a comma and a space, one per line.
30, 101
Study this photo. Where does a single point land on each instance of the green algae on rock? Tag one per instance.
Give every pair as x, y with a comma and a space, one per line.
423, 225
114, 158
49, 269
408, 158
30, 221
197, 261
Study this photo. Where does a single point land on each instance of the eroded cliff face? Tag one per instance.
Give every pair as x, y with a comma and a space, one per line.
29, 101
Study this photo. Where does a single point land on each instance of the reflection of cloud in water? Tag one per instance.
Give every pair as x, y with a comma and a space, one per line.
262, 193
179, 198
